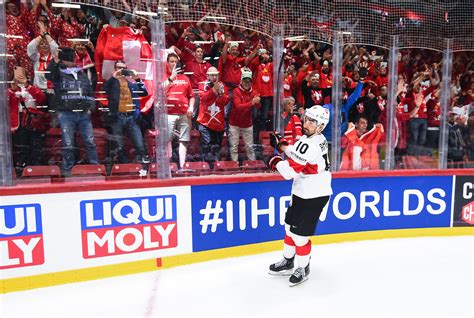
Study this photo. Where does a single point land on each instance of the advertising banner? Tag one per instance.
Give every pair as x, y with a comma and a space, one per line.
65, 231
21, 236
235, 214
463, 212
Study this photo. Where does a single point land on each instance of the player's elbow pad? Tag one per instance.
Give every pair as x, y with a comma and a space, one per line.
285, 170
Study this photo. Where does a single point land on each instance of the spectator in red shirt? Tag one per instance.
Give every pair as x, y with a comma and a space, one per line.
245, 99
434, 111
230, 65
18, 23
211, 124
291, 122
180, 104
262, 69
196, 70
28, 123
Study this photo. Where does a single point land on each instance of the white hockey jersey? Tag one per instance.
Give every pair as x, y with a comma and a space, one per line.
308, 165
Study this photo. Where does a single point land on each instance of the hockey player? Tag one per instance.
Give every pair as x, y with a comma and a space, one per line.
308, 165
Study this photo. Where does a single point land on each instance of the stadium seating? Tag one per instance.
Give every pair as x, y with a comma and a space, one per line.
196, 168
88, 172
124, 171
39, 174
226, 167
250, 166
153, 168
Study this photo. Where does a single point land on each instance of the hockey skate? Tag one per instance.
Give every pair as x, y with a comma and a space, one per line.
299, 276
283, 267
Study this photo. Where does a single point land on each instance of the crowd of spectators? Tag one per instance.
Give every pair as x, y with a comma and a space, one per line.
219, 83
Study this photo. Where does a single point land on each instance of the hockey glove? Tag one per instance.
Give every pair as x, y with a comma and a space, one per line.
273, 162
276, 141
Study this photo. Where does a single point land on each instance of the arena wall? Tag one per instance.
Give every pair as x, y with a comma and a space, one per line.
64, 233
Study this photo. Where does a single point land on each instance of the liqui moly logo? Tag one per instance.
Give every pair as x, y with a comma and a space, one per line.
128, 225
21, 236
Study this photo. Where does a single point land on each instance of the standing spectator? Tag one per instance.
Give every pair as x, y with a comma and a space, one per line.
313, 93
230, 65
211, 124
180, 105
361, 146
28, 123
262, 69
434, 115
291, 122
240, 120
84, 59
89, 18
470, 139
68, 28
117, 18
415, 99
41, 51
74, 104
457, 147
197, 70
18, 24
124, 107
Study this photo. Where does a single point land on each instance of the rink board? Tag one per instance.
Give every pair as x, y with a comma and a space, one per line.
60, 237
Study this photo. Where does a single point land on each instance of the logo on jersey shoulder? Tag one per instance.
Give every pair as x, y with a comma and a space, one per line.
324, 145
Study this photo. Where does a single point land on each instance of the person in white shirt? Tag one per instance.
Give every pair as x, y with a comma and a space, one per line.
308, 165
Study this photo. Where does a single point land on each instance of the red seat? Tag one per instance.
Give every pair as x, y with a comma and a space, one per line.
41, 171
226, 167
88, 172
128, 171
153, 168
195, 168
253, 166
39, 174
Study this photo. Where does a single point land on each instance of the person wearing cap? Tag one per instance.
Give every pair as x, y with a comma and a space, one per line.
211, 124
74, 103
309, 167
244, 100
230, 65
180, 106
123, 90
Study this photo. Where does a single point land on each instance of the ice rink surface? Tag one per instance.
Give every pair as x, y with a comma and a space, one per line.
430, 277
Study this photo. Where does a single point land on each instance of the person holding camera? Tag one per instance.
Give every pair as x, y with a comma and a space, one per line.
211, 123
74, 103
123, 90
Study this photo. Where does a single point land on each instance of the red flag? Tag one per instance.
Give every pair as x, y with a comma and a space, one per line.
130, 46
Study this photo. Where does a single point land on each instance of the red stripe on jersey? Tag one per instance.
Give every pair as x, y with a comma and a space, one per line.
306, 169
310, 169
296, 166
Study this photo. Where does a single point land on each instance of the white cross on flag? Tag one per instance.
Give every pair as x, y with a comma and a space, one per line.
125, 44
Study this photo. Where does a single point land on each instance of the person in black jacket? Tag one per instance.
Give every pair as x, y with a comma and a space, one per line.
124, 110
74, 103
